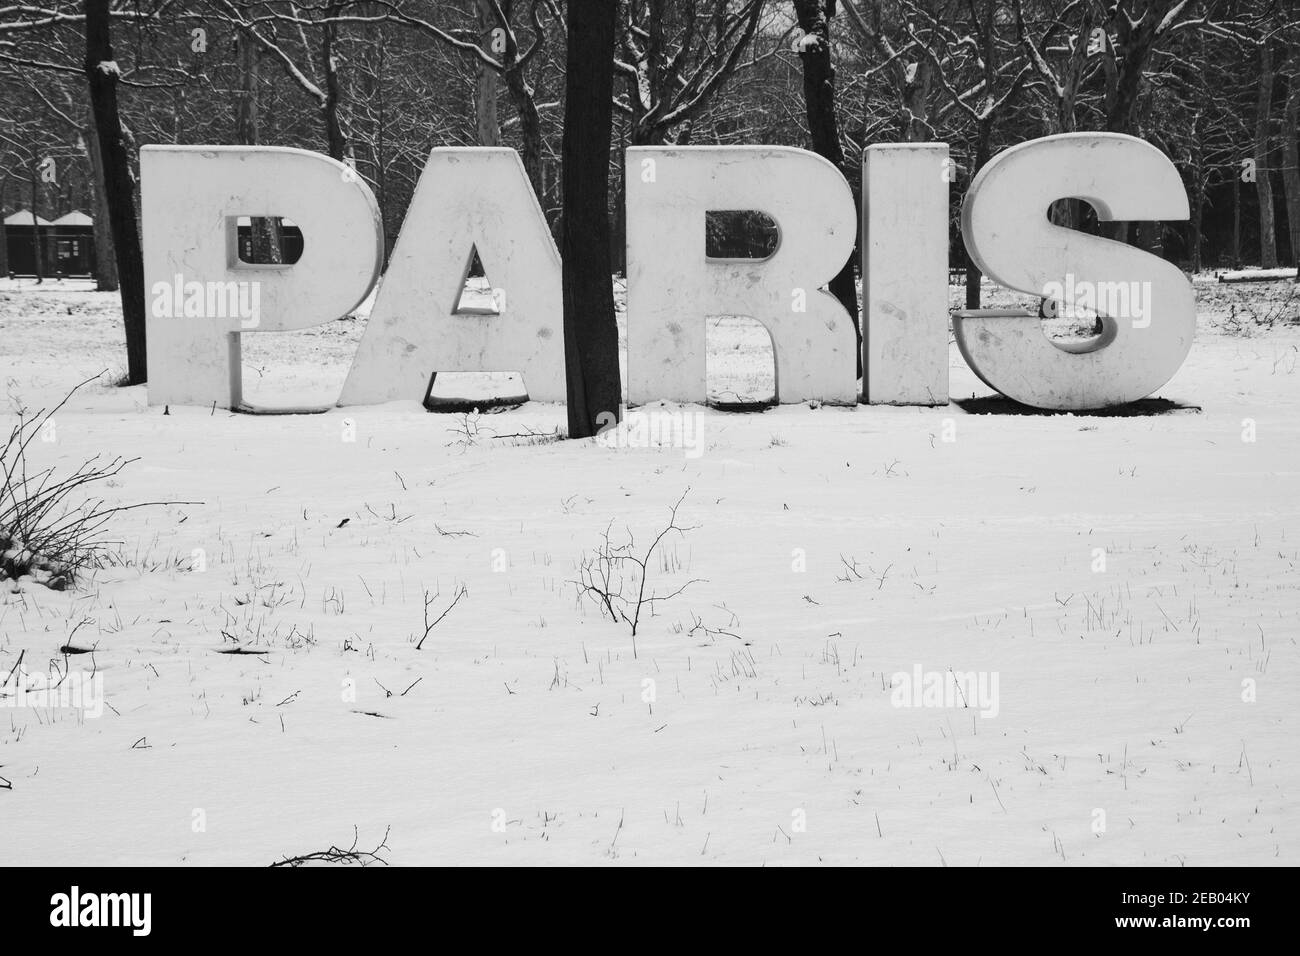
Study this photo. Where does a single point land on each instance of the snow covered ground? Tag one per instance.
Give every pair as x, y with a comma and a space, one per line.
1125, 587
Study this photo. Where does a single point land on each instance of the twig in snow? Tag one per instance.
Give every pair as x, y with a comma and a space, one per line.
337, 855
428, 601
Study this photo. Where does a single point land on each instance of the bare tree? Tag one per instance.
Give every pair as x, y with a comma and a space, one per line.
265, 232
1063, 55
102, 74
674, 56
814, 18
261, 20
595, 388
1263, 146
102, 226
897, 60
495, 43
982, 72
485, 92
1291, 154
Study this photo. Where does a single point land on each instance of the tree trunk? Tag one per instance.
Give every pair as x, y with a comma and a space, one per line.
39, 260
530, 127
1196, 228
334, 136
595, 388
485, 87
119, 184
1151, 237
105, 261
1291, 157
4, 234
1263, 182
1066, 212
1236, 220
1125, 68
372, 86
983, 141
914, 123
1196, 222
819, 101
1120, 118
265, 232
1125, 79
619, 239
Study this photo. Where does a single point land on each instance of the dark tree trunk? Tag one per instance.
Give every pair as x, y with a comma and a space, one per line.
983, 141
1236, 220
530, 127
915, 113
37, 251
1125, 68
1291, 157
819, 100
1120, 117
1151, 237
119, 184
334, 136
485, 83
619, 239
105, 261
648, 135
265, 232
1197, 227
1125, 72
4, 235
373, 91
522, 95
814, 18
1196, 223
1066, 212
595, 388
1263, 181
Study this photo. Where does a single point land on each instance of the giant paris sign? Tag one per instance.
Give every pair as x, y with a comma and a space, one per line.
470, 199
